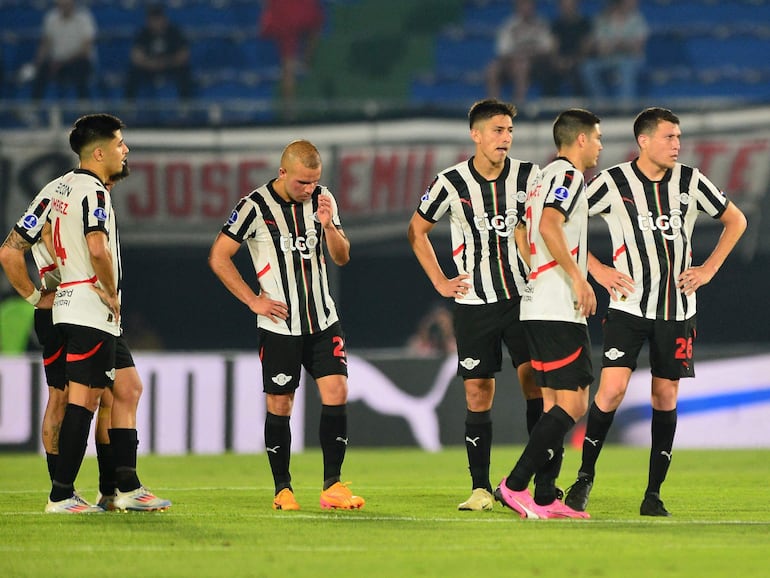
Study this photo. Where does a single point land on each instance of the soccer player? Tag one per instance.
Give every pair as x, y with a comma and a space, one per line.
86, 309
28, 235
650, 205
554, 308
484, 198
286, 223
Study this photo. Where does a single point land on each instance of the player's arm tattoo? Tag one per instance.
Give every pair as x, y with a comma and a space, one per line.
16, 241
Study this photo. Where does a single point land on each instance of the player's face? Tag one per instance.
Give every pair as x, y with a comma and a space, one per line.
662, 146
593, 148
493, 138
115, 156
299, 180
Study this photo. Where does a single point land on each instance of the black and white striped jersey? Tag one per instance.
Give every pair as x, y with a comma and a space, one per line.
549, 295
651, 225
483, 215
81, 204
285, 240
30, 227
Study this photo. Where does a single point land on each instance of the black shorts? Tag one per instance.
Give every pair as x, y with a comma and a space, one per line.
561, 354
671, 344
90, 355
282, 356
51, 339
480, 331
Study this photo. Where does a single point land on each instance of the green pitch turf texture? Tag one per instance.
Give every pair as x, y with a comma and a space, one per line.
221, 523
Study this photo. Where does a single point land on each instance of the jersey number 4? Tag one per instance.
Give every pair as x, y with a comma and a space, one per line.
61, 252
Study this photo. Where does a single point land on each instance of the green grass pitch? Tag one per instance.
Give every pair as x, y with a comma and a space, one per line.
221, 523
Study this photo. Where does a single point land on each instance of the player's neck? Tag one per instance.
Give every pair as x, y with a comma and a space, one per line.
486, 168
651, 170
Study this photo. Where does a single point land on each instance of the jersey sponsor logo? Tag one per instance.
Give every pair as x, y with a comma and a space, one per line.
29, 221
100, 214
305, 245
614, 353
668, 225
470, 363
281, 379
233, 218
502, 225
561, 193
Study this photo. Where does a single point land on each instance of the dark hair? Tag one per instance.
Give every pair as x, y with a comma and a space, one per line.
486, 109
570, 123
647, 121
92, 128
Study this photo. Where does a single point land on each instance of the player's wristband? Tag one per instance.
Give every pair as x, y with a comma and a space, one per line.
34, 297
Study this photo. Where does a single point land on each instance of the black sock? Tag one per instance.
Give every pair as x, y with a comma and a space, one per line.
278, 448
546, 439
663, 429
107, 477
599, 423
333, 436
545, 478
73, 439
478, 445
51, 462
534, 411
124, 442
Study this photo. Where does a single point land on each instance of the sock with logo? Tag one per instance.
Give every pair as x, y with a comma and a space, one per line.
333, 436
124, 442
545, 478
73, 439
107, 477
478, 445
545, 441
534, 411
278, 448
597, 428
51, 462
663, 430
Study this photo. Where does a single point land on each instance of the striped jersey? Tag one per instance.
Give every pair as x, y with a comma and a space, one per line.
285, 240
549, 295
651, 225
483, 215
30, 228
81, 204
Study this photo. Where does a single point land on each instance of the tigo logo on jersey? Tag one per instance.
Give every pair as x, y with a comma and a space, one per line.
663, 223
30, 221
233, 218
281, 379
561, 193
100, 214
502, 225
305, 245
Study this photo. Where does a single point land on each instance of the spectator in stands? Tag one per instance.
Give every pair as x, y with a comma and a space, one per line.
572, 33
524, 42
435, 334
295, 26
617, 51
161, 52
67, 50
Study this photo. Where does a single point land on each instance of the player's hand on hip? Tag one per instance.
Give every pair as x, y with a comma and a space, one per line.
618, 284
457, 288
270, 308
693, 279
111, 301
